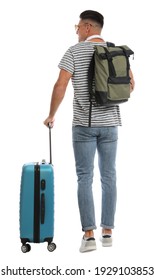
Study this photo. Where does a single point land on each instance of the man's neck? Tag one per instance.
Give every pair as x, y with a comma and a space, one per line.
95, 38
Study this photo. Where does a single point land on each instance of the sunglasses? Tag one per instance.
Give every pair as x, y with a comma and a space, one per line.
77, 26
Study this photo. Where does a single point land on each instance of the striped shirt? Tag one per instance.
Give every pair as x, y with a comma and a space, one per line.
76, 61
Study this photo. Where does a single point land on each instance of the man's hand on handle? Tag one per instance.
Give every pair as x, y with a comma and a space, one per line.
49, 122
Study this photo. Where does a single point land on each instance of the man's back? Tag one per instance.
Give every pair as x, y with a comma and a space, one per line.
76, 61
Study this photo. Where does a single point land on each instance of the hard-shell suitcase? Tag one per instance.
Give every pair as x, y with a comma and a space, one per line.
37, 204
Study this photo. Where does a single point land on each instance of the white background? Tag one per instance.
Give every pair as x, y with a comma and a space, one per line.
34, 34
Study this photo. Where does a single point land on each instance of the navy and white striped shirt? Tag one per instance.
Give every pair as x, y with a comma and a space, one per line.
76, 61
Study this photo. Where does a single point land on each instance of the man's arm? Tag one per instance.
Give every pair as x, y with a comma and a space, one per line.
58, 95
132, 82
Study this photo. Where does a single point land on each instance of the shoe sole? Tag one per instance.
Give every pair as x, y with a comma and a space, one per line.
106, 245
89, 249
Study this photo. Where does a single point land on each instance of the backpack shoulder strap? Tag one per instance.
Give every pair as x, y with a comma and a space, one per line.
90, 84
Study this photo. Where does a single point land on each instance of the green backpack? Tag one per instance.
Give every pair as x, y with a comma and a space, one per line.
108, 75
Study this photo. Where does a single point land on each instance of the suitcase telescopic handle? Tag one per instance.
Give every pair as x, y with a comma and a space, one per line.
50, 146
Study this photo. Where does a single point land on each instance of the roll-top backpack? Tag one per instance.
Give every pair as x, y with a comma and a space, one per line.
108, 75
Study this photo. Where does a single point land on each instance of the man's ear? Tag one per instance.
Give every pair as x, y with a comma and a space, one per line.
87, 29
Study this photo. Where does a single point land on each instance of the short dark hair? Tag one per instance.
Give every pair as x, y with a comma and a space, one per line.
93, 15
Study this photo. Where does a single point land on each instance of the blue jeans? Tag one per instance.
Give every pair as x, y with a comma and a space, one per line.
86, 140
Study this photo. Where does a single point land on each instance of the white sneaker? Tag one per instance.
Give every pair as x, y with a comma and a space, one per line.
88, 244
106, 240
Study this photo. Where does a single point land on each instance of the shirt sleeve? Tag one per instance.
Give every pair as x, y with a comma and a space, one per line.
67, 62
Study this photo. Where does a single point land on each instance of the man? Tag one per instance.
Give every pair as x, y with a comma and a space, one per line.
101, 136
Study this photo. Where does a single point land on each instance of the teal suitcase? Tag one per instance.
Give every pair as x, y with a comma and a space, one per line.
37, 204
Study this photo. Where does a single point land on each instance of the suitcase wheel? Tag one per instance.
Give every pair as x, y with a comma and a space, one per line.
25, 248
51, 247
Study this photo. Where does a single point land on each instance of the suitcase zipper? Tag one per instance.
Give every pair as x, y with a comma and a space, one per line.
37, 203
